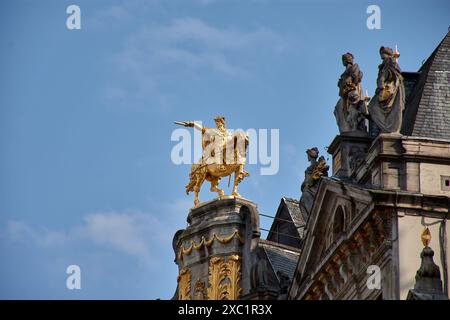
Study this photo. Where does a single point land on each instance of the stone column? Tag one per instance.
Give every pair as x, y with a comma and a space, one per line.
214, 252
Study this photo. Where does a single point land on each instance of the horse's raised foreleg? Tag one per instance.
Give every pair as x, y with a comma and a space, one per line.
215, 187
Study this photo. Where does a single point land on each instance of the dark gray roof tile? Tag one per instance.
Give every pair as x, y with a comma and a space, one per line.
294, 211
427, 111
281, 259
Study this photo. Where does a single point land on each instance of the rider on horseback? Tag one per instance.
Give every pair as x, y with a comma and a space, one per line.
224, 153
218, 144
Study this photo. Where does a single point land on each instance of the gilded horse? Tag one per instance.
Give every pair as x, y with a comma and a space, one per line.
223, 155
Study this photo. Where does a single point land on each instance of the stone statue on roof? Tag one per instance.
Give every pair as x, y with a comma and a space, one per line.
350, 110
317, 168
386, 107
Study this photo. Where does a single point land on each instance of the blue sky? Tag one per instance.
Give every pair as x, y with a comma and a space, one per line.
86, 118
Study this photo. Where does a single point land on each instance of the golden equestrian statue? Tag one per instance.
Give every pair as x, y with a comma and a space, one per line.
224, 153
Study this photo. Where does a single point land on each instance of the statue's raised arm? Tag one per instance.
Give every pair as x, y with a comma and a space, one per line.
189, 124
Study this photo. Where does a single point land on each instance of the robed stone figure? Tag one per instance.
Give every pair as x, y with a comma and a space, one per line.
386, 107
350, 110
317, 168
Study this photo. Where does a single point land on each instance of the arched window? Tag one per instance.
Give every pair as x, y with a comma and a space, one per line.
338, 223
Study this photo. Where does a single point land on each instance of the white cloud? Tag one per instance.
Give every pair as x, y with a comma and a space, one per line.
200, 32
135, 233
209, 2
104, 18
124, 232
167, 56
117, 13
20, 231
205, 2
191, 42
123, 11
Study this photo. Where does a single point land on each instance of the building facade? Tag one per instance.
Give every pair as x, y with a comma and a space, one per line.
375, 228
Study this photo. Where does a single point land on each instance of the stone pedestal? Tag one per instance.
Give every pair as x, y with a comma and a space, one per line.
348, 151
213, 252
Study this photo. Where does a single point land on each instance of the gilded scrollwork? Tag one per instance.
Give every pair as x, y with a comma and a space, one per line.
218, 272
184, 284
234, 267
199, 290
224, 278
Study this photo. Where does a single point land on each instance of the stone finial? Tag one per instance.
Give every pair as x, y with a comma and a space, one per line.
428, 278
428, 269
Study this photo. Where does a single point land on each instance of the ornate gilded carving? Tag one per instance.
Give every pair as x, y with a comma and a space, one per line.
184, 284
224, 278
208, 243
218, 271
199, 290
234, 267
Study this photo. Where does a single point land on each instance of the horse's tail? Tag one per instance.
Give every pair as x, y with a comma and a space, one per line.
193, 177
192, 180
190, 186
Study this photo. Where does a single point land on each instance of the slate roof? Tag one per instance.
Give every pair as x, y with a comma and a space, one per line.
416, 295
427, 110
281, 257
295, 214
294, 211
